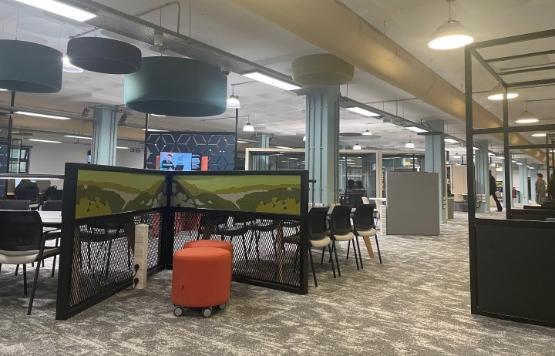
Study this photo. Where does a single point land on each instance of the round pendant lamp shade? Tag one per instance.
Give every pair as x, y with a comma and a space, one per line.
176, 86
30, 67
104, 55
321, 69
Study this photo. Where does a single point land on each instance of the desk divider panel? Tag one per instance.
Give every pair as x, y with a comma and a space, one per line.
261, 213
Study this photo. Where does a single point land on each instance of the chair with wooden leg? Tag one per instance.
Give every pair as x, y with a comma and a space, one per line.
363, 226
341, 230
23, 242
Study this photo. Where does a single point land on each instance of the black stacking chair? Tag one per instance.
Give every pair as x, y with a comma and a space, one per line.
52, 205
237, 226
22, 242
260, 226
319, 236
14, 204
341, 230
53, 234
363, 221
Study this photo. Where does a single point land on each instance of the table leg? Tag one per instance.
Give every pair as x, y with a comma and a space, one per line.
368, 246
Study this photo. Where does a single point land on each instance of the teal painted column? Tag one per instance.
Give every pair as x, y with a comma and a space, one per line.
262, 161
523, 181
322, 143
105, 137
481, 167
434, 162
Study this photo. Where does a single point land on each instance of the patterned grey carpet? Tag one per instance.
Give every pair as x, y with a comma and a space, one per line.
417, 303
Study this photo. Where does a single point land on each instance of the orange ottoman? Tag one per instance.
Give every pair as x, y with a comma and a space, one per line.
210, 243
201, 279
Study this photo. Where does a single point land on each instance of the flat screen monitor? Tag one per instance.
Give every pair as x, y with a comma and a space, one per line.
174, 161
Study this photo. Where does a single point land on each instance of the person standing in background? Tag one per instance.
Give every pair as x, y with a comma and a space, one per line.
540, 189
493, 190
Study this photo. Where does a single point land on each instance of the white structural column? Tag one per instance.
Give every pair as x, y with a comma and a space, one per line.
322, 143
481, 167
435, 162
105, 136
523, 182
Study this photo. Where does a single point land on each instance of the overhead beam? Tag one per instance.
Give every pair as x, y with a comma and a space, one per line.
343, 33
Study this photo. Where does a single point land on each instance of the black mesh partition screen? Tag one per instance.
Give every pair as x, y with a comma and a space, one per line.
103, 254
267, 249
262, 214
216, 149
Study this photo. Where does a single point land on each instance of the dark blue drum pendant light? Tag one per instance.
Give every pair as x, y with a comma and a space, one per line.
175, 86
30, 67
103, 55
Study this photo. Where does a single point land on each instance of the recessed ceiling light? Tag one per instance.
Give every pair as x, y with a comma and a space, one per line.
362, 111
527, 120
263, 78
241, 141
58, 8
357, 147
491, 154
416, 129
154, 130
451, 140
157, 115
409, 144
46, 116
42, 140
78, 137
122, 147
519, 163
457, 157
539, 134
366, 133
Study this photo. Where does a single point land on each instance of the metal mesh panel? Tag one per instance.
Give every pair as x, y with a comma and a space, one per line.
103, 253
265, 249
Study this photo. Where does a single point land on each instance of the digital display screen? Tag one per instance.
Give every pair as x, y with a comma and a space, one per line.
178, 161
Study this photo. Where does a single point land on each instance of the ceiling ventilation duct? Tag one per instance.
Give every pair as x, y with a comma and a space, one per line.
321, 69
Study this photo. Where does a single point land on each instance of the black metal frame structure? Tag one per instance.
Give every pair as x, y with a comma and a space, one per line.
511, 263
278, 246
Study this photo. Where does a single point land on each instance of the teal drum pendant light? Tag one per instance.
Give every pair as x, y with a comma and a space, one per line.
30, 67
175, 86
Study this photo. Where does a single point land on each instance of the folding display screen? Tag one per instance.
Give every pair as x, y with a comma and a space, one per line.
272, 194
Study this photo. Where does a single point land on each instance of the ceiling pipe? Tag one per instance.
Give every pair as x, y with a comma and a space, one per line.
343, 33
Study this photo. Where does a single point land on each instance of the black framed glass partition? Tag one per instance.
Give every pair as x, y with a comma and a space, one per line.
511, 259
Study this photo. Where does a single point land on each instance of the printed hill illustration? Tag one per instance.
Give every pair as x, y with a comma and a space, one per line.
279, 194
104, 193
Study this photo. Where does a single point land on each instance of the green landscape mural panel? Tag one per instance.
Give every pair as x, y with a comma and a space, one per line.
103, 193
276, 194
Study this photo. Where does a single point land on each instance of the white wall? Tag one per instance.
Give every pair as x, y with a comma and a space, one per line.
50, 158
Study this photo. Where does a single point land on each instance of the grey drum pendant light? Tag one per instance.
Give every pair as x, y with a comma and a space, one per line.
104, 55
175, 86
30, 67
